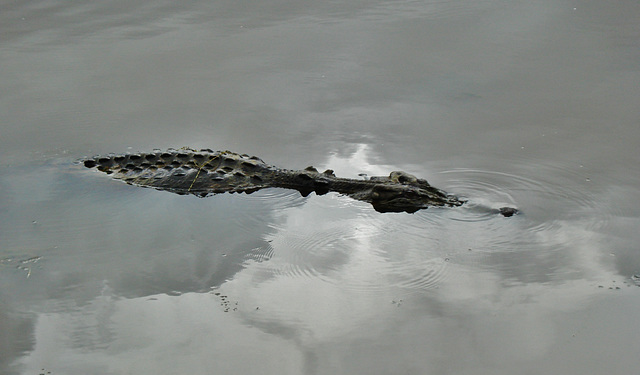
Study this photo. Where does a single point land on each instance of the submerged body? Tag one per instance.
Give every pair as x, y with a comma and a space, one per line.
207, 172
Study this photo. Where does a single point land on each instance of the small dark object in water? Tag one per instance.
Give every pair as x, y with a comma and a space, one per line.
508, 211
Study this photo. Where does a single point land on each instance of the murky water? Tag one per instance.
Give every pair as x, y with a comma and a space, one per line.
530, 104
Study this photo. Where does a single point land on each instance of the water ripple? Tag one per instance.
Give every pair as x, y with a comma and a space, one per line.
360, 250
368, 252
562, 192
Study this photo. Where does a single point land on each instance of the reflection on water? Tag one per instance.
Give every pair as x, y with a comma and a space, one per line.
111, 264
526, 104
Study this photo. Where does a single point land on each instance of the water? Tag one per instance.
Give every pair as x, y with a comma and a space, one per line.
530, 104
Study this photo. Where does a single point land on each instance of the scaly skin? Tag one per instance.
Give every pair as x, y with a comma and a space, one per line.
207, 172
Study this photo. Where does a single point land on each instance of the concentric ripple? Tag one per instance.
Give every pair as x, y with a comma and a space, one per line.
357, 249
367, 253
553, 191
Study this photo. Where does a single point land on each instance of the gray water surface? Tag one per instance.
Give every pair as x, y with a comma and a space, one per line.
520, 103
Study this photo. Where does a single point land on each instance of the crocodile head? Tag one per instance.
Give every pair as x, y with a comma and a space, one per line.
403, 192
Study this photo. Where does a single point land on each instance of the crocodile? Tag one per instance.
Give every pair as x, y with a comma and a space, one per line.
206, 172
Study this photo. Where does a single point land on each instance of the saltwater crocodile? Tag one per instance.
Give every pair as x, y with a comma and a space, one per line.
206, 172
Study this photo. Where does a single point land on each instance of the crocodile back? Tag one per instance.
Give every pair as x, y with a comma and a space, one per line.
187, 171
